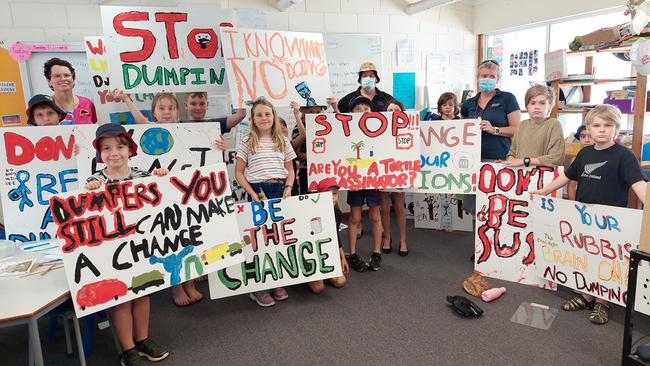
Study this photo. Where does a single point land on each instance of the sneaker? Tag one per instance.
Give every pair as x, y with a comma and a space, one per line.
357, 263
151, 350
279, 294
374, 262
132, 358
262, 298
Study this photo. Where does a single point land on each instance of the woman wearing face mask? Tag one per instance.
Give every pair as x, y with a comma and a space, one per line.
368, 78
498, 110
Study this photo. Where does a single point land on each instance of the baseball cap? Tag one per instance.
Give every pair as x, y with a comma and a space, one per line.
327, 183
358, 100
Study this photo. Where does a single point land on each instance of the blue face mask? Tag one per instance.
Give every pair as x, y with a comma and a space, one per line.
368, 83
487, 85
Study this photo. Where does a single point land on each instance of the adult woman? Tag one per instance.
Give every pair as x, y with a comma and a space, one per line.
60, 77
498, 111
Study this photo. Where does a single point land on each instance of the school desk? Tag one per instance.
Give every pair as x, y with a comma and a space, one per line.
29, 298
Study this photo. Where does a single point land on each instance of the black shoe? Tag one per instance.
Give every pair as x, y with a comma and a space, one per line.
374, 262
357, 263
403, 253
149, 349
132, 358
390, 248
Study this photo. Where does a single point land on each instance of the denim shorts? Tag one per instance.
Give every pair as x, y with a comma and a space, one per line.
271, 190
370, 197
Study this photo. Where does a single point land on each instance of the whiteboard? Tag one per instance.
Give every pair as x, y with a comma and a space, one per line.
345, 52
35, 77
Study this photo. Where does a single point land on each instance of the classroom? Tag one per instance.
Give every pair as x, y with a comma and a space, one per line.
326, 182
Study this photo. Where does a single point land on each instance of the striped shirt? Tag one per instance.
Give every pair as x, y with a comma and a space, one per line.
266, 163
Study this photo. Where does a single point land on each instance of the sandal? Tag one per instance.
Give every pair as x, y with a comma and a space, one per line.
600, 314
577, 303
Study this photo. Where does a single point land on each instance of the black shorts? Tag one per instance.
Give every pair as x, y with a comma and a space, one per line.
370, 197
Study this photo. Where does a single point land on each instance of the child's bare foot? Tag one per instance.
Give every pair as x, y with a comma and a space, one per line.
192, 292
180, 297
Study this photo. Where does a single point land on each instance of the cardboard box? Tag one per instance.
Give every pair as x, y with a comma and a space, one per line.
607, 35
555, 65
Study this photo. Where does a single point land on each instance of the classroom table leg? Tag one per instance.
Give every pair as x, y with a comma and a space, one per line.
35, 342
80, 346
30, 351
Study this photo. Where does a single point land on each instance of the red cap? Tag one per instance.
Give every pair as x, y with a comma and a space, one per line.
327, 183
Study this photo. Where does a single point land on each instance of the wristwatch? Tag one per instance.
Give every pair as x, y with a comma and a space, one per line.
526, 162
496, 130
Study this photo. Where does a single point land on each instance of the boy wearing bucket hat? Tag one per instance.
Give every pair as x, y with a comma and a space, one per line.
368, 77
130, 319
42, 111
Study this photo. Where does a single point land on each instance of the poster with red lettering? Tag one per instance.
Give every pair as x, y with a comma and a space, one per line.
372, 150
450, 156
175, 146
129, 239
505, 243
108, 109
36, 164
292, 240
279, 66
154, 49
587, 247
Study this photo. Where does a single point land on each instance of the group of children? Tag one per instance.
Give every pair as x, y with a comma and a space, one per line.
265, 168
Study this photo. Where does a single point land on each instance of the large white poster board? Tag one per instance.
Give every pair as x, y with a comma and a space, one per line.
373, 150
129, 239
450, 156
36, 164
151, 49
175, 146
108, 109
287, 246
505, 244
280, 66
587, 247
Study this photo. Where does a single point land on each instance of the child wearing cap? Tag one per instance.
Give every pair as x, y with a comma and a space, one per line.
130, 319
356, 200
42, 111
317, 287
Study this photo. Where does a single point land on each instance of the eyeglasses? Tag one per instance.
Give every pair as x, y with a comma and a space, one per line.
489, 62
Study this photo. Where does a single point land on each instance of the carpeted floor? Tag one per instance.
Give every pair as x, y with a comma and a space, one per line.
394, 316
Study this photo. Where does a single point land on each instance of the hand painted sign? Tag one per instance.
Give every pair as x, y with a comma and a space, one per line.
37, 163
238, 193
129, 239
108, 109
441, 212
175, 146
286, 247
450, 156
586, 247
172, 49
373, 150
280, 66
505, 245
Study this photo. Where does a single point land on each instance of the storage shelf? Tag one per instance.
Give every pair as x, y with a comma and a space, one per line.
597, 81
603, 50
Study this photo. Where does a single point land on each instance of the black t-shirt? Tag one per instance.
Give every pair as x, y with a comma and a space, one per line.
222, 123
605, 176
379, 102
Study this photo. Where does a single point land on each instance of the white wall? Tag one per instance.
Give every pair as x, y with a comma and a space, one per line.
495, 15
439, 29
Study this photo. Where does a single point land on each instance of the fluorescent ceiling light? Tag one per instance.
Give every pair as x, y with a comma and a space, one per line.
283, 5
426, 5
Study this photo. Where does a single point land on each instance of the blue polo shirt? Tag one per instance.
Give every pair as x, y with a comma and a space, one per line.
496, 111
